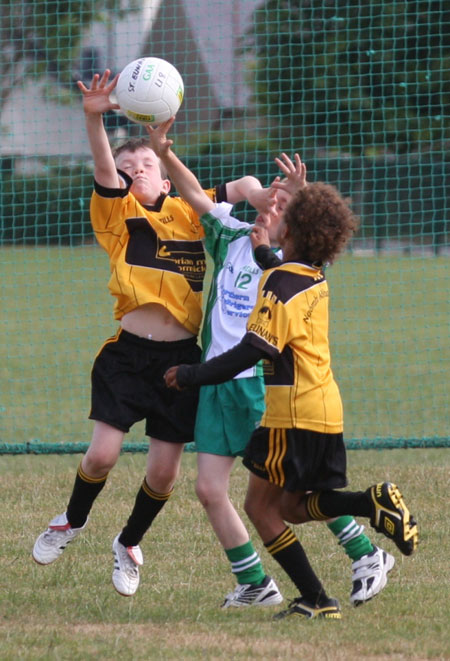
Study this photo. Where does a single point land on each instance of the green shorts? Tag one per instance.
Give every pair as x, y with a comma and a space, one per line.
227, 415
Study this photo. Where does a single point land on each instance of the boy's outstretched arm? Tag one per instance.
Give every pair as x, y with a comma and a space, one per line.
246, 188
249, 188
184, 180
215, 370
95, 103
264, 199
243, 189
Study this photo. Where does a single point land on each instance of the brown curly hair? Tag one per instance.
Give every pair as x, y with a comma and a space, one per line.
132, 145
320, 223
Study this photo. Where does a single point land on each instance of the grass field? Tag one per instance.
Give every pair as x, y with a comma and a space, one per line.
389, 334
70, 611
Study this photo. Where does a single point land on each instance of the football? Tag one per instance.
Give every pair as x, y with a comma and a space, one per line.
149, 90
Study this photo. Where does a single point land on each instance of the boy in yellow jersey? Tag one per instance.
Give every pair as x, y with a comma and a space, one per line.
157, 264
228, 413
299, 445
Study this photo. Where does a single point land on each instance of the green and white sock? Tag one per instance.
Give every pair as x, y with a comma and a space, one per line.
246, 564
351, 536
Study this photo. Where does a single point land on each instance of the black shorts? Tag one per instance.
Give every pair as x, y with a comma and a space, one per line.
297, 459
128, 386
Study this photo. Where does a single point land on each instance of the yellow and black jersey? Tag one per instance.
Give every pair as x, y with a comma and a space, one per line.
290, 323
156, 252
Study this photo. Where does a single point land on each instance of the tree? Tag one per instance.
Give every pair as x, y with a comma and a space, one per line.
355, 75
42, 37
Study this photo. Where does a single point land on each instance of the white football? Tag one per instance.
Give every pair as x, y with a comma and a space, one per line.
149, 90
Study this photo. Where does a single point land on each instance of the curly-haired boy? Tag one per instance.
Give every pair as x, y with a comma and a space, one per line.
296, 457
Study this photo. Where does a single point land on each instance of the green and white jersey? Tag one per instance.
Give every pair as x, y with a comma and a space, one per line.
234, 285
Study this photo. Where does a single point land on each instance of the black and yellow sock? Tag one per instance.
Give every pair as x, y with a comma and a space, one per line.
85, 491
351, 536
325, 505
289, 553
246, 564
147, 505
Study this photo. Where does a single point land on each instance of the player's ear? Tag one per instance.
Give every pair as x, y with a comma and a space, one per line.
166, 186
284, 231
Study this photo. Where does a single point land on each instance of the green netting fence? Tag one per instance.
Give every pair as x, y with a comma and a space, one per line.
361, 89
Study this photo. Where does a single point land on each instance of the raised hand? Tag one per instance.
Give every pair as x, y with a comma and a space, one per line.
259, 236
294, 172
263, 199
96, 97
159, 141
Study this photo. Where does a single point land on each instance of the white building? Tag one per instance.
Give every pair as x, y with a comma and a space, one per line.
200, 37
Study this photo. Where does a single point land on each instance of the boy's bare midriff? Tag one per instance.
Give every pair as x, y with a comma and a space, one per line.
154, 322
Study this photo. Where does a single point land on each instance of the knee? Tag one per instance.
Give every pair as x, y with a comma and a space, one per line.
293, 514
289, 516
207, 493
162, 480
286, 513
97, 463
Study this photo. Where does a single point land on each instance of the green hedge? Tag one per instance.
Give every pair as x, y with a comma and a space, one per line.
50, 208
403, 198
